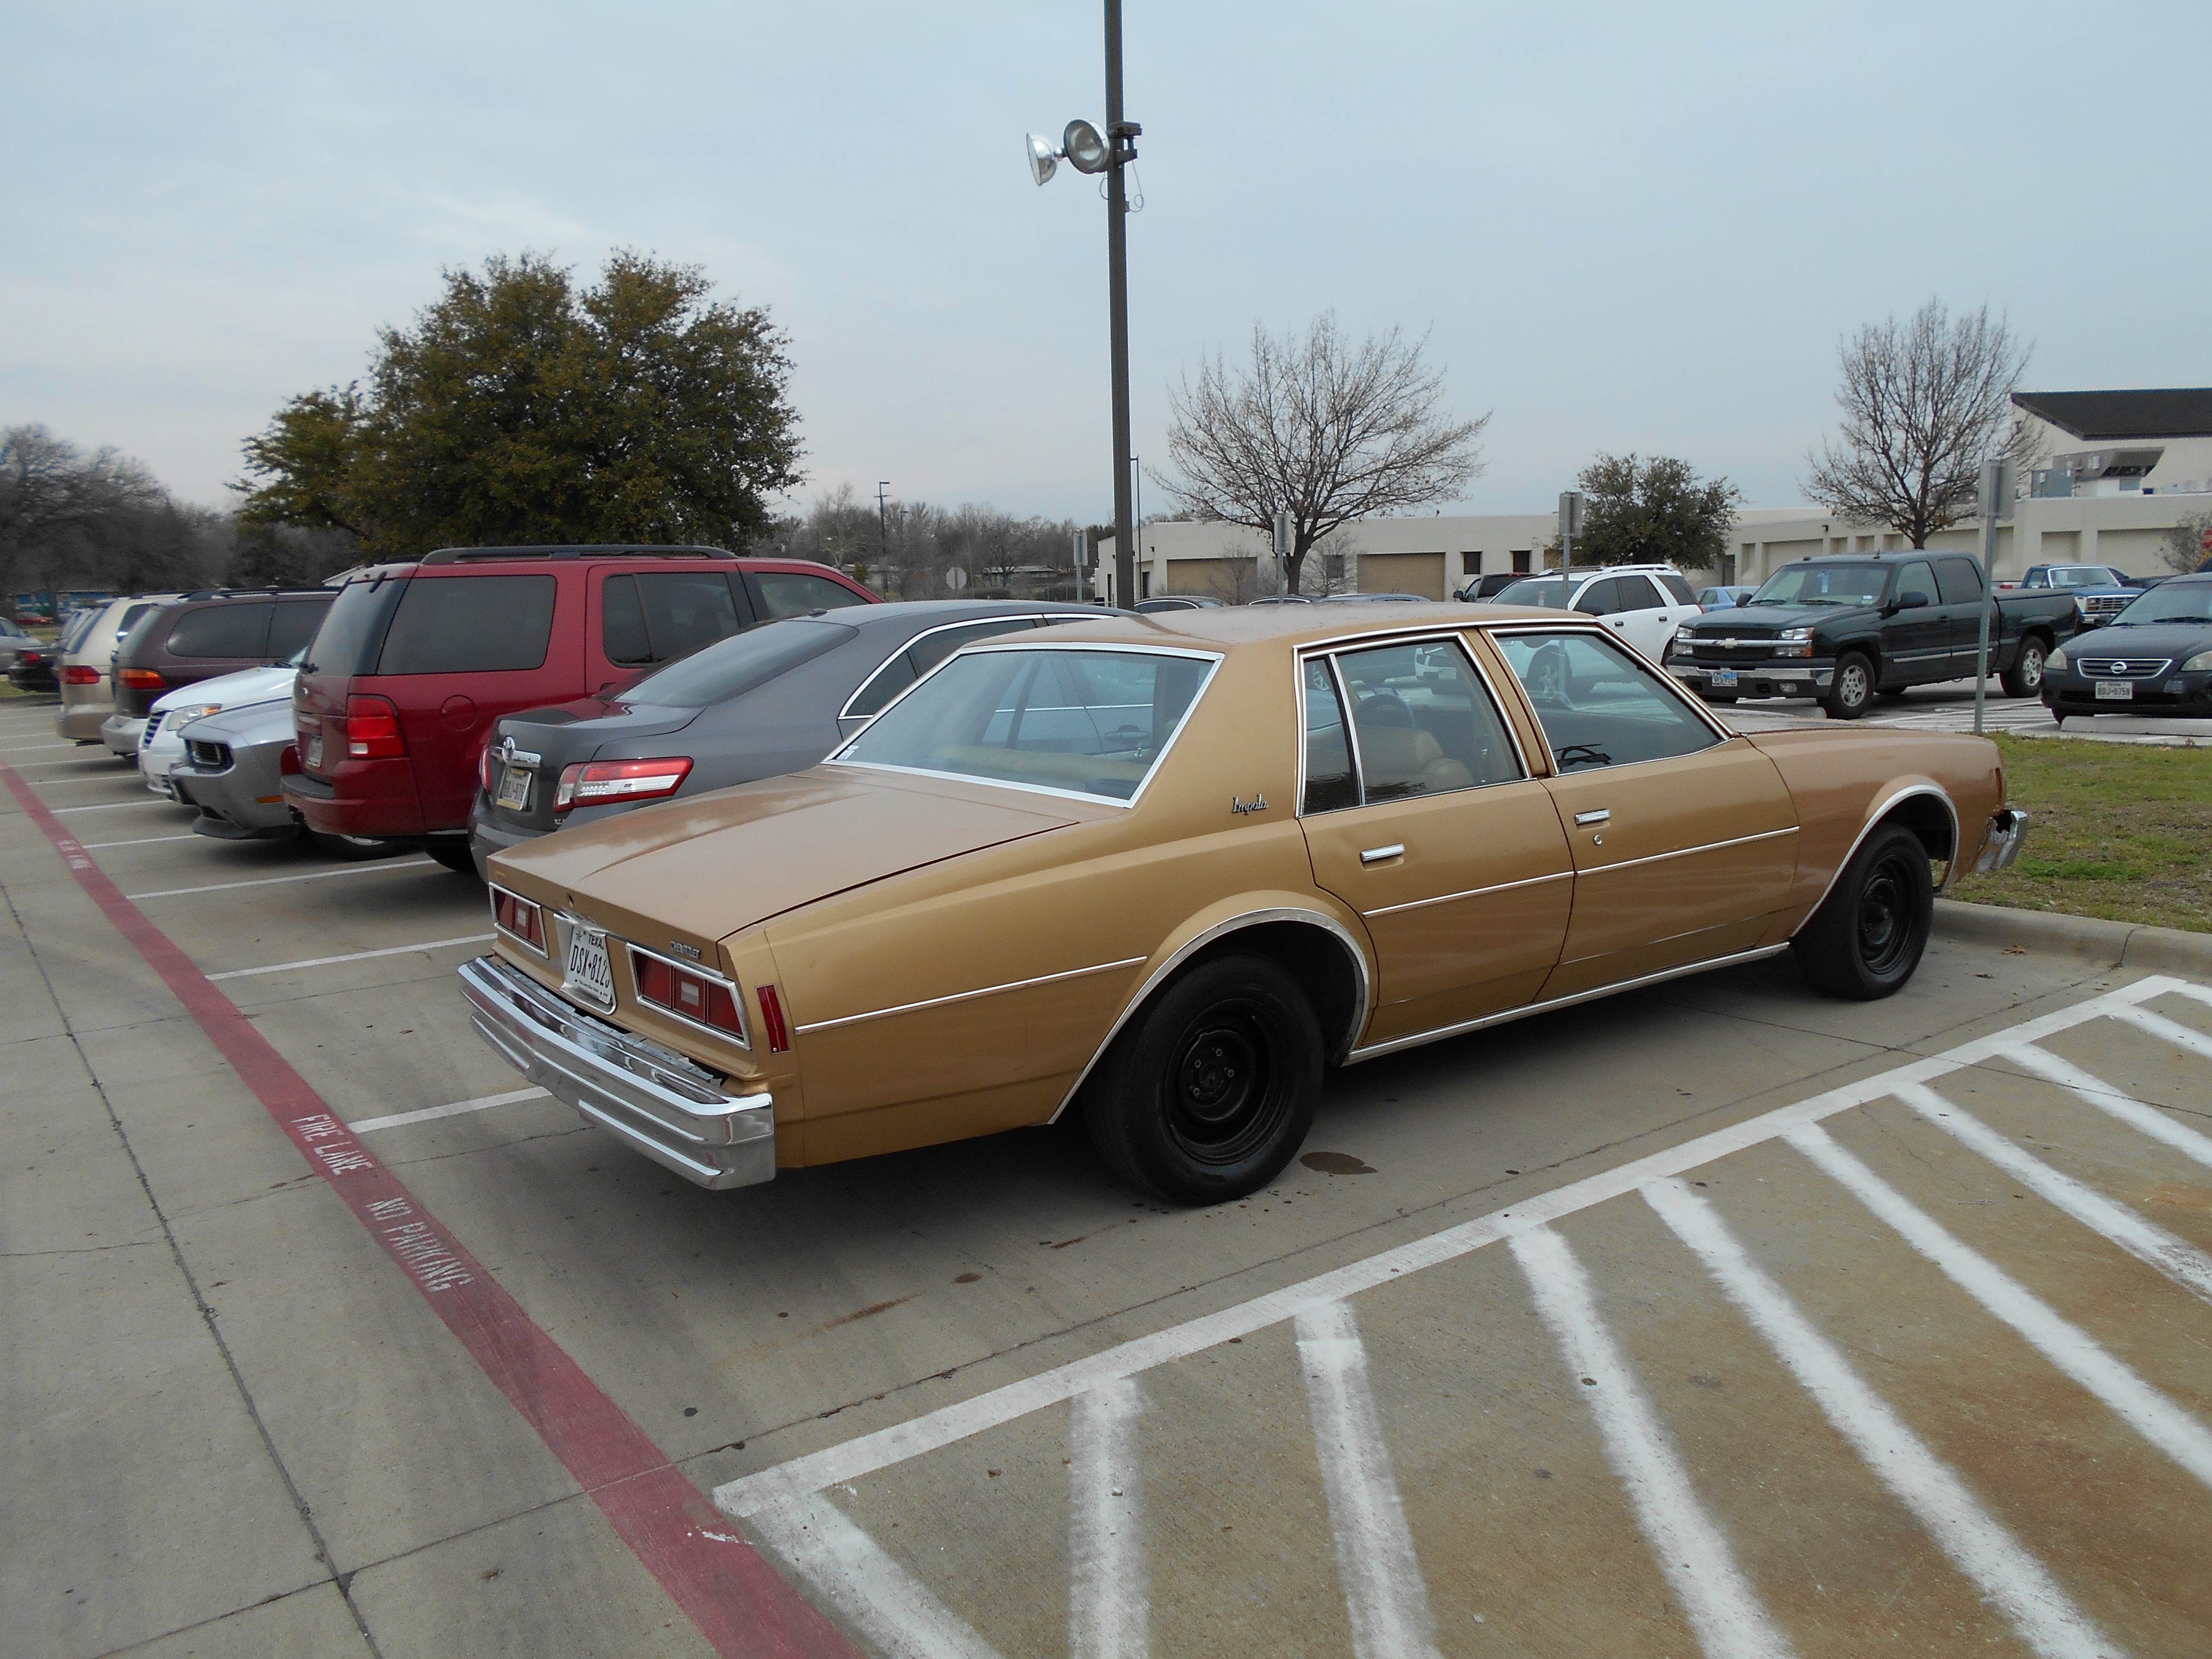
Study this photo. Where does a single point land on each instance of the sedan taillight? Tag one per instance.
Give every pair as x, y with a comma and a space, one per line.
688, 994
518, 917
78, 674
372, 729
588, 782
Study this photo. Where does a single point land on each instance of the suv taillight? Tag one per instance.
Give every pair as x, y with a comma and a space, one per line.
586, 782
141, 680
681, 991
372, 729
78, 674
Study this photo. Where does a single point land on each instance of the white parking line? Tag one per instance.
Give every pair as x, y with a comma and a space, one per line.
866, 1454
2146, 1241
1385, 1594
271, 881
2071, 1349
1725, 1612
1975, 1540
354, 956
847, 1568
113, 806
30, 748
482, 1102
2159, 1025
1109, 1609
2114, 1102
143, 841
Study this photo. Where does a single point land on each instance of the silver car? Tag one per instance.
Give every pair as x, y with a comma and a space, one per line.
233, 769
88, 699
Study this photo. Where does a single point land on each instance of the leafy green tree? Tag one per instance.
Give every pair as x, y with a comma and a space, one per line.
1652, 512
520, 409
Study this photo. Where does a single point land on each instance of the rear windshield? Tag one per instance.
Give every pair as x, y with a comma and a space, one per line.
1084, 722
1824, 584
735, 667
1537, 591
469, 625
80, 625
353, 629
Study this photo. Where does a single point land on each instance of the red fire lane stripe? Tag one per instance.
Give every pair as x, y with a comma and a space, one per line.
741, 1605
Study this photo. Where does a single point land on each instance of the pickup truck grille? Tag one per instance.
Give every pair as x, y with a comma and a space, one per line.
2123, 668
2104, 604
1730, 650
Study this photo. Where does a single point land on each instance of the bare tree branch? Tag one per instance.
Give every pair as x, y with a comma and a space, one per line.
1924, 405
1323, 429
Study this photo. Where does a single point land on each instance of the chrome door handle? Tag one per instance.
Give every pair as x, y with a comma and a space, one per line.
1583, 820
1376, 854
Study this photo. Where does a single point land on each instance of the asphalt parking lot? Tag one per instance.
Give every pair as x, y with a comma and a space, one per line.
1718, 1318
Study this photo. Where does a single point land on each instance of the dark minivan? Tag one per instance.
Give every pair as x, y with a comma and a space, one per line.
201, 636
418, 662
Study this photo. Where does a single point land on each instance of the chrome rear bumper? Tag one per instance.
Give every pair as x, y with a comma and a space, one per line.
2007, 834
651, 1098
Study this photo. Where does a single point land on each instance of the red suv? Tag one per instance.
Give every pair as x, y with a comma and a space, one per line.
416, 664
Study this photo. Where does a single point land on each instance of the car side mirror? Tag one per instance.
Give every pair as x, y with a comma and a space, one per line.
1914, 600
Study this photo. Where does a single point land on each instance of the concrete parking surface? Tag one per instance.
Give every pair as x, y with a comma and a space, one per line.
1718, 1318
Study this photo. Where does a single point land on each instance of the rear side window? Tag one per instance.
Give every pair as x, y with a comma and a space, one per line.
221, 630
735, 667
294, 624
1637, 593
470, 625
1677, 589
656, 615
793, 593
1959, 579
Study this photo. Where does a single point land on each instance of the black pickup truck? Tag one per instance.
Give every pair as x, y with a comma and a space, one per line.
1849, 626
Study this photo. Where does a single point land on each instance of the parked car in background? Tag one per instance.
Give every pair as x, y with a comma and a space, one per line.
35, 666
418, 661
1284, 598
162, 744
201, 637
768, 701
14, 636
1488, 586
2154, 657
1178, 602
2099, 591
88, 673
1164, 873
1644, 603
1846, 628
1724, 599
233, 771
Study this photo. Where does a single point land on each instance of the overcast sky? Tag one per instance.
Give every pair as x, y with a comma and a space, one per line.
1626, 225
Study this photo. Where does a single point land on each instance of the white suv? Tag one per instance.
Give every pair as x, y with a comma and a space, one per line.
1644, 602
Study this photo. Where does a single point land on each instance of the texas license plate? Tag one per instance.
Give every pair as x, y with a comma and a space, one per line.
514, 789
2115, 691
585, 968
314, 758
1723, 676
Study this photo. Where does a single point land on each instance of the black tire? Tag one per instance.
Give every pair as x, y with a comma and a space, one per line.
1891, 693
1212, 1087
1850, 693
1866, 939
356, 847
2025, 677
1722, 696
452, 852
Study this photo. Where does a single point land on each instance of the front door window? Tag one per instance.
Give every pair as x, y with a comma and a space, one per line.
1598, 705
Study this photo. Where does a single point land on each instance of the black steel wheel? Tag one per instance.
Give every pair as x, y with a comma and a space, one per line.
2025, 677
1212, 1087
1850, 693
1869, 934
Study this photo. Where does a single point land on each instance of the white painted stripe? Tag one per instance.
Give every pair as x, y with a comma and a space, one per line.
2065, 1344
272, 881
1376, 1566
26, 748
891, 1607
1693, 1553
1109, 1608
2115, 1103
2040, 1611
2173, 1031
865, 1454
353, 955
480, 1103
2146, 1241
143, 841
116, 805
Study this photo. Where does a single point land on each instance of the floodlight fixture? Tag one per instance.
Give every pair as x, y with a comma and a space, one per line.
1044, 159
1084, 150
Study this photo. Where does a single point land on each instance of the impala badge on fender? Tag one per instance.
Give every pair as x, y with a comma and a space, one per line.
1257, 804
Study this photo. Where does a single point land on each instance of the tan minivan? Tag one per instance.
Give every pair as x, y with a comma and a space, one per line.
87, 671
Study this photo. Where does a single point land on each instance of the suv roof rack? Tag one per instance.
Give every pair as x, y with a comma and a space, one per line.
474, 555
241, 593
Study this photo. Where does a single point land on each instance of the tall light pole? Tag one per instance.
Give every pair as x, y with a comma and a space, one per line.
882, 523
1083, 148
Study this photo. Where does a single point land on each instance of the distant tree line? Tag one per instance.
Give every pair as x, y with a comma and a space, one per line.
905, 551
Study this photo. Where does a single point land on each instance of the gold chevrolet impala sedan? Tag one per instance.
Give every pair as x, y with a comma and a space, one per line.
1166, 871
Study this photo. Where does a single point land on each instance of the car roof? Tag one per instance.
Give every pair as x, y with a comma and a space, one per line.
1295, 625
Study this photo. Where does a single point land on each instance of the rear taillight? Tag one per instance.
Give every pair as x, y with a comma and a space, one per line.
483, 770
141, 680
586, 782
372, 729
518, 917
78, 674
288, 761
688, 994
779, 1034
